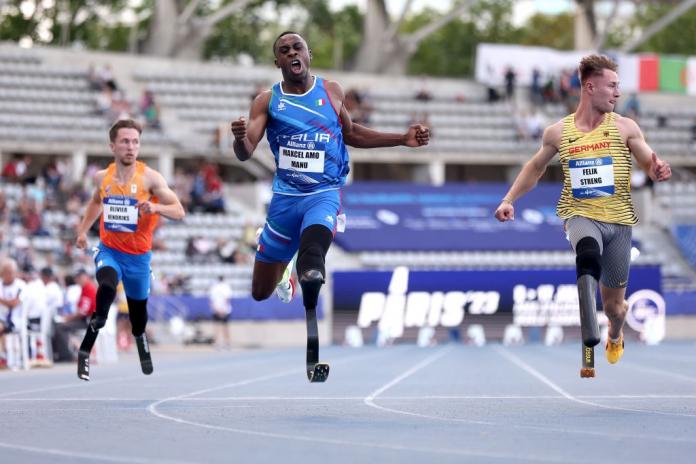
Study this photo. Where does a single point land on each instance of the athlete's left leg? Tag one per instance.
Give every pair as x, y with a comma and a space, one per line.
311, 261
616, 259
136, 284
109, 272
614, 303
318, 228
137, 313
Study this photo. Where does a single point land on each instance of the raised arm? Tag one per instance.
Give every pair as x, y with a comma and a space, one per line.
169, 205
92, 212
248, 135
531, 172
359, 136
658, 169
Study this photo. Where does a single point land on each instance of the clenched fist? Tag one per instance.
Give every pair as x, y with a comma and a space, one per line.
81, 241
505, 212
239, 128
417, 136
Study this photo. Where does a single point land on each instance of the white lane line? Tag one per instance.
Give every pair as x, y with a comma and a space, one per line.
654, 370
369, 400
651, 370
76, 384
164, 372
545, 380
215, 399
89, 456
426, 362
328, 441
514, 426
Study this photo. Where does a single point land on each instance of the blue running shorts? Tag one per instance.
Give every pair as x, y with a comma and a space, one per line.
132, 270
288, 216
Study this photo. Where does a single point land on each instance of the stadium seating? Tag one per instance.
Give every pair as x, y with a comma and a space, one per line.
42, 100
685, 235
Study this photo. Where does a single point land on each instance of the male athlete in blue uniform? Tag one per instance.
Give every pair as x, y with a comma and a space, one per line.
308, 128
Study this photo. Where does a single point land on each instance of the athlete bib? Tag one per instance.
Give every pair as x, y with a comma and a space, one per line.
298, 159
592, 177
120, 213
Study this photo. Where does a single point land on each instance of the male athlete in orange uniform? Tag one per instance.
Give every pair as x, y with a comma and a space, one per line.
129, 197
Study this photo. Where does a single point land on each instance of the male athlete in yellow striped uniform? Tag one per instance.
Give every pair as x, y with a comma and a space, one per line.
595, 145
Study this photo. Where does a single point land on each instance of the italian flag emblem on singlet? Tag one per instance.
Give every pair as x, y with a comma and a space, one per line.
320, 102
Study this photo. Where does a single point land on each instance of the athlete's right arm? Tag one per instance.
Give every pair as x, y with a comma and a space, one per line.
531, 172
248, 135
92, 212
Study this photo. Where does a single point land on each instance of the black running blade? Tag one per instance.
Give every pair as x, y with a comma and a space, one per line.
83, 365
587, 369
318, 373
146, 366
144, 354
587, 291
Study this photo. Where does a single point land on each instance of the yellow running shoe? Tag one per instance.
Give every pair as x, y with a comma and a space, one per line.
614, 351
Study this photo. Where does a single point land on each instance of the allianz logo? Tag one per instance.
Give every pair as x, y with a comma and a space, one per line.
399, 308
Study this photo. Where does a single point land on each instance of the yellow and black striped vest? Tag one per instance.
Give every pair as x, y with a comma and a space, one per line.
596, 173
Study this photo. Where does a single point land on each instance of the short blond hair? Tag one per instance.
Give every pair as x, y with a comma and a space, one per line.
594, 65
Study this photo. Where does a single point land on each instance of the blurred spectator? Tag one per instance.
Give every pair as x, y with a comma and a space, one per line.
549, 91
199, 248
11, 294
64, 350
72, 295
207, 194
535, 88
530, 125
21, 251
423, 93
183, 185
95, 82
221, 307
102, 103
4, 209
493, 95
52, 175
17, 169
31, 217
227, 250
11, 288
150, 110
250, 239
692, 129
233, 252
510, 78
55, 300
35, 308
120, 106
662, 121
106, 76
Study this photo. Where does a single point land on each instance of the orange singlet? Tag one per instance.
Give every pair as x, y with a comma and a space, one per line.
122, 227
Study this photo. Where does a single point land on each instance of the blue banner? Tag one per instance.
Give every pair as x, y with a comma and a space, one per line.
401, 300
406, 216
164, 307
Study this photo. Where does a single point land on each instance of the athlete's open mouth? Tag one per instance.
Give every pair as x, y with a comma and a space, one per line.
296, 65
